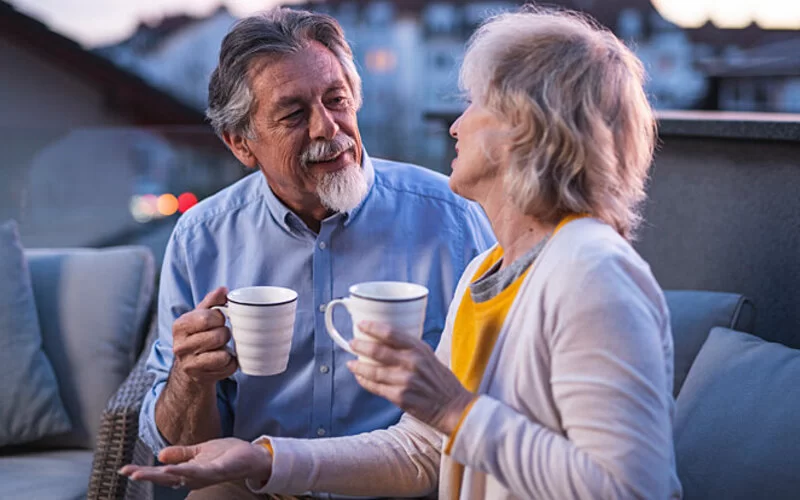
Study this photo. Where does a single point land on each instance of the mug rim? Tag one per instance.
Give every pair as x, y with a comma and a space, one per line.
422, 294
262, 304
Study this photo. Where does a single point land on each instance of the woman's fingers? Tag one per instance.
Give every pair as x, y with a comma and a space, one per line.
383, 374
384, 333
382, 353
374, 387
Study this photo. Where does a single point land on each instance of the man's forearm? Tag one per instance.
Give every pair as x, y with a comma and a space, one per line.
187, 413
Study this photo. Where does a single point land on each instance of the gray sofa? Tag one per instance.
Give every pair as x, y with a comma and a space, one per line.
694, 315
93, 306
94, 310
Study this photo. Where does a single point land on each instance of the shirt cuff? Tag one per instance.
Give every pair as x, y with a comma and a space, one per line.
266, 443
292, 467
255, 486
468, 447
148, 431
452, 438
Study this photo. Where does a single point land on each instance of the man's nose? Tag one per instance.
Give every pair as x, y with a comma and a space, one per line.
322, 124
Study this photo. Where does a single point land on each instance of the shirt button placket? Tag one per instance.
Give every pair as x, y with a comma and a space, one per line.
323, 402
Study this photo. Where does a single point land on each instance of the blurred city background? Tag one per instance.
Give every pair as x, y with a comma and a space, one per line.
104, 140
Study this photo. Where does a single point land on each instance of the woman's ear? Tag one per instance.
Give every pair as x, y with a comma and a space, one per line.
240, 146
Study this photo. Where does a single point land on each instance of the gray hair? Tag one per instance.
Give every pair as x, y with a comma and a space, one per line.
582, 131
274, 32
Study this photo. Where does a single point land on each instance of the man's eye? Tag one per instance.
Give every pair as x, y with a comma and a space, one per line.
293, 115
338, 101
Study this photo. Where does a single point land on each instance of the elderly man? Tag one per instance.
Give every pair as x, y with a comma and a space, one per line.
323, 216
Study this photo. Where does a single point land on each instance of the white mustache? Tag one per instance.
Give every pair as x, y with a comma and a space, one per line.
321, 150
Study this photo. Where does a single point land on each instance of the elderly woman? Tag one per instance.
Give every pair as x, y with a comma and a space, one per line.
553, 377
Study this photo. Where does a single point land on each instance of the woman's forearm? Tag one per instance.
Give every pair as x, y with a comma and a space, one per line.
534, 461
400, 461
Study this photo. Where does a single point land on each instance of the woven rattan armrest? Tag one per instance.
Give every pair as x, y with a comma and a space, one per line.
117, 439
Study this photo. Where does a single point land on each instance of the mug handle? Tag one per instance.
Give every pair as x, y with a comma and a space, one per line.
231, 349
332, 331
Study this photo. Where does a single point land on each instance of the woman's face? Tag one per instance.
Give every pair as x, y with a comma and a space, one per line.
481, 153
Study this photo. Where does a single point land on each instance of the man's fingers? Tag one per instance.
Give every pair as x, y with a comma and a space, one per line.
197, 321
209, 363
129, 469
162, 478
200, 342
216, 297
177, 454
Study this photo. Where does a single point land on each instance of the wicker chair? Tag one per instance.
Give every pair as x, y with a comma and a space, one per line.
117, 441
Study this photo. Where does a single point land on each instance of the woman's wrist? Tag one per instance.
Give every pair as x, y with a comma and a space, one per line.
263, 470
455, 412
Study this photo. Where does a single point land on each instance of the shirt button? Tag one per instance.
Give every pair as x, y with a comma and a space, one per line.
322, 245
322, 307
324, 369
320, 432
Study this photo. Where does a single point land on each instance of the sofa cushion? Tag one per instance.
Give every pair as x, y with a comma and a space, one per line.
737, 421
30, 405
693, 314
46, 475
93, 306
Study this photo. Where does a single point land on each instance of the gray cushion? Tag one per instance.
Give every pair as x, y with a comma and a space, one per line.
30, 405
737, 421
47, 475
693, 314
93, 307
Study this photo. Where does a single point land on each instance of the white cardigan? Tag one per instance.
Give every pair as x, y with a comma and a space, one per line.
576, 401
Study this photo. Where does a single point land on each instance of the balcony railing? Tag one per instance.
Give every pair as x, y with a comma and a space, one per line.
723, 211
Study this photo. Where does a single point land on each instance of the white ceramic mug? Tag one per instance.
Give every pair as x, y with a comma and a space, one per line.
398, 304
262, 326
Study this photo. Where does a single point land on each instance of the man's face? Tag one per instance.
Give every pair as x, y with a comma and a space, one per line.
306, 139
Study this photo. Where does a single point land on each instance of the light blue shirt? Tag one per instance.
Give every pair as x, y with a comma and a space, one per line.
410, 227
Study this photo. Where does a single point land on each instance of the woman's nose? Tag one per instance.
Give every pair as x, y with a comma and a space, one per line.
454, 128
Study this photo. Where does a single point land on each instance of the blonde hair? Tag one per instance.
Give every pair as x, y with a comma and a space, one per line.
582, 130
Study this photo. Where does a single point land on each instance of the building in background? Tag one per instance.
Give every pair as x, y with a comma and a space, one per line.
763, 78
81, 137
409, 51
177, 55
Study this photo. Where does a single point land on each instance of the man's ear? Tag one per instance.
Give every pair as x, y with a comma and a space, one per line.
240, 146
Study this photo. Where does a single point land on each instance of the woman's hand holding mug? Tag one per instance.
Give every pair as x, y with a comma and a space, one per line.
393, 360
406, 371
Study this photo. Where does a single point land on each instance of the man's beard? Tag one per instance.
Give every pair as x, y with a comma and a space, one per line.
339, 191
343, 190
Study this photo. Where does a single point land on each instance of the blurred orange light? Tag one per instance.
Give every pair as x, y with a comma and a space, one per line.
381, 60
167, 204
186, 201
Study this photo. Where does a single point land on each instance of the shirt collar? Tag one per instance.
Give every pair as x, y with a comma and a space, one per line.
288, 220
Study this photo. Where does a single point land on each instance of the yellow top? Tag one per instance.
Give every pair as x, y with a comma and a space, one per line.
475, 331
477, 325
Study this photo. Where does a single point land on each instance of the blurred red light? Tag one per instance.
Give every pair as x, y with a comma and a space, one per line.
186, 201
